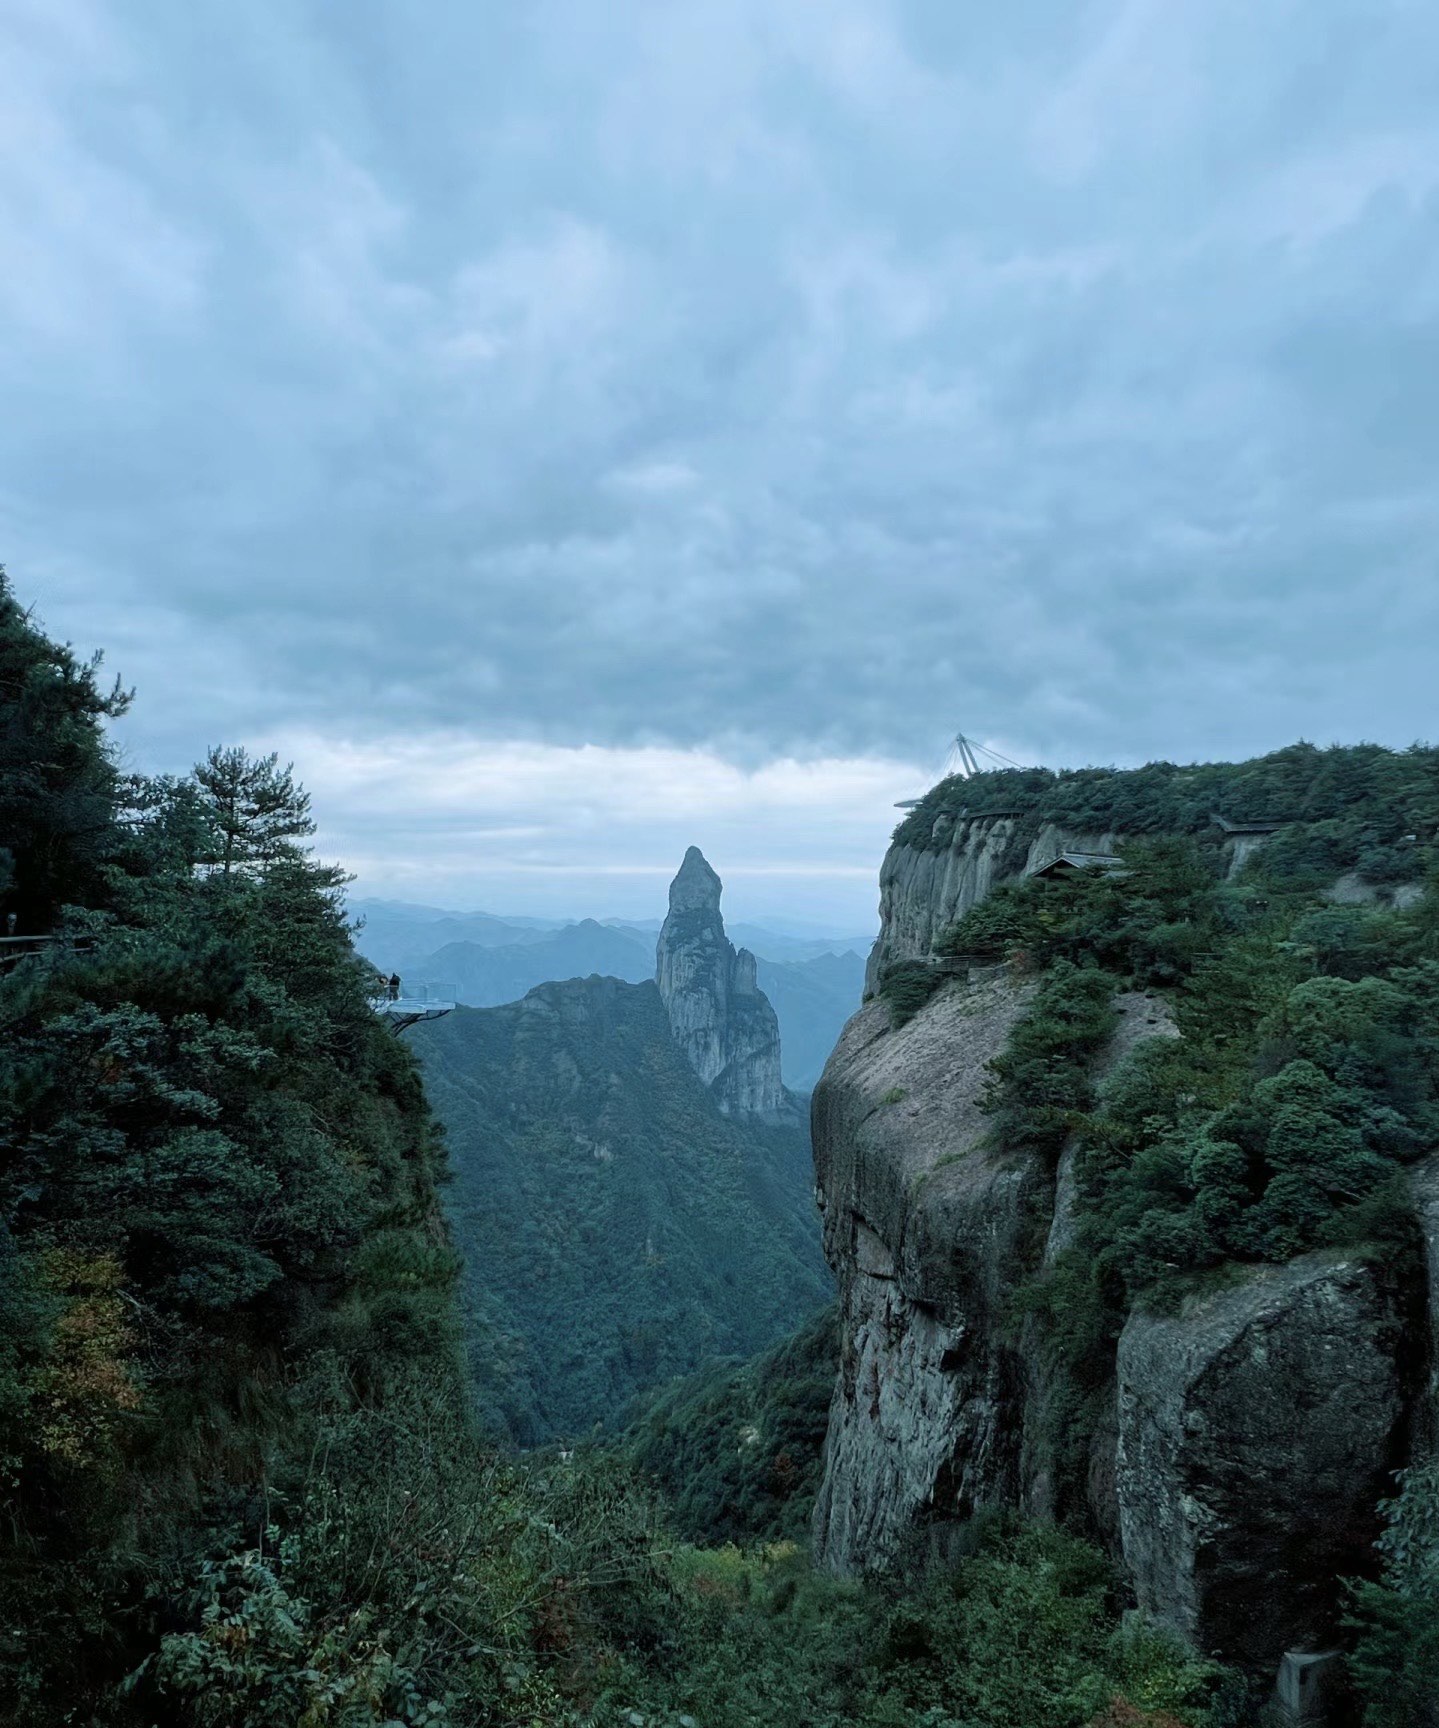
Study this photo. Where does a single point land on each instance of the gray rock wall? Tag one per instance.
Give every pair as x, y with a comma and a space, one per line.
1247, 1440
938, 1409
924, 890
926, 1232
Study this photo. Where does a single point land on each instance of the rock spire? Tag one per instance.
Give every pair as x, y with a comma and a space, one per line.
721, 1018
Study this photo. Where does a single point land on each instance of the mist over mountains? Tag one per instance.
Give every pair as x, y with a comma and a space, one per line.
480, 959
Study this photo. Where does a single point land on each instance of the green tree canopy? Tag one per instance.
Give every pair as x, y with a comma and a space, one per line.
257, 811
58, 782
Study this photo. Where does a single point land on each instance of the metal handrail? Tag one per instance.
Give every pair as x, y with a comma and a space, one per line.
16, 948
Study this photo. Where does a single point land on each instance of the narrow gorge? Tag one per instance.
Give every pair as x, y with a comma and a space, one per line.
631, 1192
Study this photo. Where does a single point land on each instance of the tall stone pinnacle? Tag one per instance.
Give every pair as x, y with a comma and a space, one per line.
696, 887
721, 1018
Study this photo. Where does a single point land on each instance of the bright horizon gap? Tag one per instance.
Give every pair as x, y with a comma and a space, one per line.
665, 872
527, 829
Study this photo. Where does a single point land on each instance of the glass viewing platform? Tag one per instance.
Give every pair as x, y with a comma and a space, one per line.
405, 1011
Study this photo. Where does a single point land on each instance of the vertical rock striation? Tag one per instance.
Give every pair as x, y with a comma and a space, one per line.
720, 1017
925, 1229
939, 1406
922, 890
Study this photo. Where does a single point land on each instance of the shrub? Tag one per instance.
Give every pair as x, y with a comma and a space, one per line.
907, 986
1040, 1086
735, 1449
1395, 1661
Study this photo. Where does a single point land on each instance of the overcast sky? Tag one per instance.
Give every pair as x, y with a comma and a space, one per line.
573, 428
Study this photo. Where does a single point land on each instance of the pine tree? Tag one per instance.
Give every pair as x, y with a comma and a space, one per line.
57, 780
257, 810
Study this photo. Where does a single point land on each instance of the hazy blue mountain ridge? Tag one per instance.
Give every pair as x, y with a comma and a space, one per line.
483, 977
400, 929
813, 999
813, 982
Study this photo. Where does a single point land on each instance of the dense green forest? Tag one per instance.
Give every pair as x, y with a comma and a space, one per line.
221, 1260
244, 1485
617, 1227
734, 1448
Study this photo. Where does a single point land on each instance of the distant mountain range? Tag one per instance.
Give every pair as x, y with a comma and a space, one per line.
483, 977
633, 1192
478, 958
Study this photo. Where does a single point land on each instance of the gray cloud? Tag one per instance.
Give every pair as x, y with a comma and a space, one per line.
804, 378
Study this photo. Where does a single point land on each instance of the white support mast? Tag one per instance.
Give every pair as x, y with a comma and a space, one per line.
962, 762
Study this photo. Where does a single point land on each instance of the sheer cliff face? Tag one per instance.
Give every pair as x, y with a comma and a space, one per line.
720, 1017
939, 1409
922, 890
925, 1230
1244, 1441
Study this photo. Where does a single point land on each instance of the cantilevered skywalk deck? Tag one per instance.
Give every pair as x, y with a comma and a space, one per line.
404, 1011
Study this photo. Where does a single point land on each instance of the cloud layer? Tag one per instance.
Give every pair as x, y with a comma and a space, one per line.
768, 381
599, 831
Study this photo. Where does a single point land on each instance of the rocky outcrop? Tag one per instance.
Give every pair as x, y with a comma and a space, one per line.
1352, 890
925, 886
924, 889
1255, 1434
1234, 1458
720, 1017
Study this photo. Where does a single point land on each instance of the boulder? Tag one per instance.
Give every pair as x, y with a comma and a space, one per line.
1256, 1433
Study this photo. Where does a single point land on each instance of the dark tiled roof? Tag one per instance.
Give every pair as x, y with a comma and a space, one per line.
1079, 861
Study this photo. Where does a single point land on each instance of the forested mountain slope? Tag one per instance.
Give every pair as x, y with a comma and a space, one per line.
735, 1447
624, 1227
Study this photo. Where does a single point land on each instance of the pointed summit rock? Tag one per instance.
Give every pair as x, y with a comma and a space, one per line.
720, 1017
696, 887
